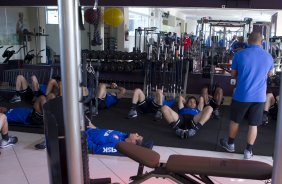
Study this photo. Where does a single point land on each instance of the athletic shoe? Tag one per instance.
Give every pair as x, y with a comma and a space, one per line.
40, 146
228, 147
132, 114
248, 154
12, 140
264, 119
181, 133
15, 99
216, 114
158, 116
192, 132
148, 144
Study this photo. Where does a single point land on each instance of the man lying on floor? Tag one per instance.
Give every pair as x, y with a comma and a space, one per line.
190, 117
105, 98
150, 104
24, 115
104, 141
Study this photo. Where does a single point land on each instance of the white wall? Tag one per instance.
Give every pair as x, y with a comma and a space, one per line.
279, 24
191, 26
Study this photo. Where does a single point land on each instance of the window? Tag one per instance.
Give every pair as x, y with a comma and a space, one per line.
137, 20
52, 15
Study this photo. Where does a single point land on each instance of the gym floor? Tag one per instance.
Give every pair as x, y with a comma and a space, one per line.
22, 164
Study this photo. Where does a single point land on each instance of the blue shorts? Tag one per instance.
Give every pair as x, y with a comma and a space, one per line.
42, 88
108, 101
150, 106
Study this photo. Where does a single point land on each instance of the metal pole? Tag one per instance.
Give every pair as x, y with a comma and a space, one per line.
69, 70
277, 160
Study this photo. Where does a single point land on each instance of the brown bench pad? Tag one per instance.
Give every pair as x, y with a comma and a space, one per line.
147, 157
221, 167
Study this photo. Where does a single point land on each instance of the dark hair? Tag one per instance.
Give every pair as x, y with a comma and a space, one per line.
255, 37
191, 97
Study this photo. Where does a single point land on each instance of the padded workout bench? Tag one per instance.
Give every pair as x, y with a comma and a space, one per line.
192, 169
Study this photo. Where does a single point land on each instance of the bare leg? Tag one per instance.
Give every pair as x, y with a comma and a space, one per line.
169, 115
52, 87
252, 135
201, 103
3, 124
50, 96
35, 84
218, 95
204, 115
102, 91
21, 83
270, 100
60, 88
159, 97
38, 104
233, 129
205, 94
138, 96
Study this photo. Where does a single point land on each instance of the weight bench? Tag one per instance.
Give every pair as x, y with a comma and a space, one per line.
191, 169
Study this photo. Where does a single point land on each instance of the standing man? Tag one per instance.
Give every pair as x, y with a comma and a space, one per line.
251, 66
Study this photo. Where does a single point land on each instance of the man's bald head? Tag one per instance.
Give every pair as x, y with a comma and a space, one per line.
255, 38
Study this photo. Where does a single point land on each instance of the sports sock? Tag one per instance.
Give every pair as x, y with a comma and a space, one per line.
198, 126
249, 147
35, 93
230, 140
133, 106
5, 136
17, 93
174, 124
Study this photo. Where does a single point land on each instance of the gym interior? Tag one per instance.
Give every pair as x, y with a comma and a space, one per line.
177, 47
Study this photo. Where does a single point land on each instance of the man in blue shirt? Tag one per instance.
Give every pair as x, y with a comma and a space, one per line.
239, 45
26, 116
104, 141
251, 66
106, 99
190, 117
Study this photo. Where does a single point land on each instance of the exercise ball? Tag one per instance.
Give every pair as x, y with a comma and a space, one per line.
113, 17
92, 16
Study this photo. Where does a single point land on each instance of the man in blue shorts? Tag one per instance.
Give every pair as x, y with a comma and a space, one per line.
251, 67
7, 140
190, 117
104, 141
149, 104
107, 99
26, 116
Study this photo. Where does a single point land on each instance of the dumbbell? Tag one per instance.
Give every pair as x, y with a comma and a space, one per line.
120, 66
113, 66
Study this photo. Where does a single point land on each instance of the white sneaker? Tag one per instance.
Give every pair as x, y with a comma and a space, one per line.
12, 140
248, 154
132, 114
15, 99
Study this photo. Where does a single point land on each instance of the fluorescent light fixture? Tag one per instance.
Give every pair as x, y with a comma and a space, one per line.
95, 5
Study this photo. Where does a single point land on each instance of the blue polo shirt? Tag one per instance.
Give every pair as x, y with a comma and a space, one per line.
188, 111
104, 141
18, 115
252, 65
